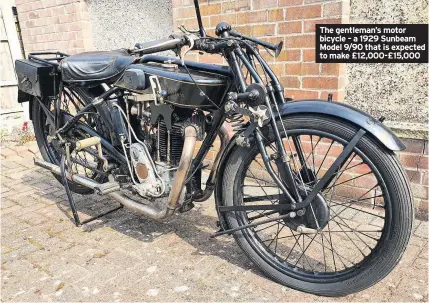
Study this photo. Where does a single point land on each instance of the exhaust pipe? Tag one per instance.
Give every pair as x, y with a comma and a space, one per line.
210, 184
99, 188
148, 210
176, 189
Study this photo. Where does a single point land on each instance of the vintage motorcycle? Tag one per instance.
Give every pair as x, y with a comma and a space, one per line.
311, 190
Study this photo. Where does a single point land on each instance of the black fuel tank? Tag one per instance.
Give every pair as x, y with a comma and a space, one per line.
178, 84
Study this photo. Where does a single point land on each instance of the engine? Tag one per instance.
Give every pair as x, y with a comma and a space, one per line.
156, 157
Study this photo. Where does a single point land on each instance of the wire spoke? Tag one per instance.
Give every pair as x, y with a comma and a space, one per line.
340, 257
351, 207
250, 171
364, 242
275, 222
263, 213
326, 154
359, 231
350, 239
296, 242
354, 178
330, 241
323, 248
305, 250
359, 201
276, 186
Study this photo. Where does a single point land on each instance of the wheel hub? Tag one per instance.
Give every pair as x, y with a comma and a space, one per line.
317, 210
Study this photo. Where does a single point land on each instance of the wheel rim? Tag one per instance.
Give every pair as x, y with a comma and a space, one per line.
306, 256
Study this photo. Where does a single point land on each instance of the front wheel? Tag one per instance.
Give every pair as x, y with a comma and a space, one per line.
363, 217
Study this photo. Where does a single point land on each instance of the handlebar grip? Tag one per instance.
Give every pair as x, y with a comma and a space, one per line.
277, 48
158, 45
220, 45
212, 47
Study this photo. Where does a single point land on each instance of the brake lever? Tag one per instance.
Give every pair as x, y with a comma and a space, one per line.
191, 38
184, 30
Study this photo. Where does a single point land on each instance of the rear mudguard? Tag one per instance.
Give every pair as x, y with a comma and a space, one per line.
24, 97
319, 107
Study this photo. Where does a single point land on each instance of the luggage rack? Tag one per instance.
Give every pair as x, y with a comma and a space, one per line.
35, 56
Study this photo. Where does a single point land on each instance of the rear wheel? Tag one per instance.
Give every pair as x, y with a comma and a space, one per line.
364, 216
84, 162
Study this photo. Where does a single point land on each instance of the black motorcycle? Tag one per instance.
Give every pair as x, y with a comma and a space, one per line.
311, 190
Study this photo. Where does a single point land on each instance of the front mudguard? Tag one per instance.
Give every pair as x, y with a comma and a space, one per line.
318, 107
348, 113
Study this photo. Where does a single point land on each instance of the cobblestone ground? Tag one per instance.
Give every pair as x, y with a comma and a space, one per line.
127, 257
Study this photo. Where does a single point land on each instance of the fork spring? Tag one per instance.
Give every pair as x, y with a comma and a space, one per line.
237, 122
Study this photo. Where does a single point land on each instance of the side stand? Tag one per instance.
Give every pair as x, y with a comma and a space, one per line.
70, 199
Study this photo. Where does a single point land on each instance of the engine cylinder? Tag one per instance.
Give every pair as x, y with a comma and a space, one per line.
174, 147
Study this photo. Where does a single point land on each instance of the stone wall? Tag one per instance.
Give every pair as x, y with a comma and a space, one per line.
396, 91
122, 23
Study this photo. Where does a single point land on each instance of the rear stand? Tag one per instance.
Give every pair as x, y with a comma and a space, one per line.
70, 199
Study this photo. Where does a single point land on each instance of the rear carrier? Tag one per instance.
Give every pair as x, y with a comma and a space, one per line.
38, 75
172, 83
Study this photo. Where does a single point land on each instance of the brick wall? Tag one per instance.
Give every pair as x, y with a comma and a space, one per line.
415, 162
292, 21
55, 25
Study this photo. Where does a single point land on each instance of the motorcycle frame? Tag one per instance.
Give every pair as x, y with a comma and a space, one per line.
234, 56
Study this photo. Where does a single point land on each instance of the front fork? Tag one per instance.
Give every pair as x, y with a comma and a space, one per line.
285, 171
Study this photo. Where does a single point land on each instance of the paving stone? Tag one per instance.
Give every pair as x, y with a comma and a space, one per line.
424, 252
410, 255
33, 218
32, 147
10, 164
19, 175
19, 149
15, 209
7, 152
16, 158
422, 230
4, 189
5, 203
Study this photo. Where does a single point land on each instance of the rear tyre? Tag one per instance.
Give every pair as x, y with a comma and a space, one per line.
311, 271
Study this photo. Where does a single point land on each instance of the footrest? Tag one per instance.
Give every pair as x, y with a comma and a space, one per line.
81, 144
88, 142
108, 187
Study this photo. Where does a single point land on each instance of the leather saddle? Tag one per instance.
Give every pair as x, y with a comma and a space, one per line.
104, 66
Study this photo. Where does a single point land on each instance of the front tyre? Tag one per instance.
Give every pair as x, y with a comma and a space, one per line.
364, 215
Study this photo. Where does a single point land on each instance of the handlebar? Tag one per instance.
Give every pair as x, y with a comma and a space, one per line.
206, 45
216, 46
277, 48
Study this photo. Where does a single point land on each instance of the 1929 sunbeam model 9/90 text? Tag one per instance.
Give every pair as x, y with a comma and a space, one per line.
311, 190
